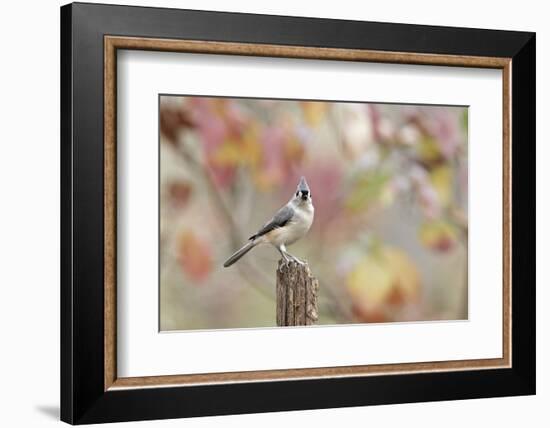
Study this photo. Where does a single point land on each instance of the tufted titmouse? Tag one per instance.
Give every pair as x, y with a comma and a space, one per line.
288, 225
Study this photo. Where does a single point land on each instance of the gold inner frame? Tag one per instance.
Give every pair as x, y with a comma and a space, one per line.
113, 43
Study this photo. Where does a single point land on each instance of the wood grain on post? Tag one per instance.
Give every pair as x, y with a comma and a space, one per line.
296, 295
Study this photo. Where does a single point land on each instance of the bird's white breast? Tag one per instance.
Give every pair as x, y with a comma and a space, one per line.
295, 229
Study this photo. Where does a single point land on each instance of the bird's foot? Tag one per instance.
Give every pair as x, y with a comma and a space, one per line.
287, 260
296, 260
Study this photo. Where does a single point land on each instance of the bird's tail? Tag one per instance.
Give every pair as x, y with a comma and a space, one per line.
239, 253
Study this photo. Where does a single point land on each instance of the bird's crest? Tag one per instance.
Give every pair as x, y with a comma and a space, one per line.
302, 185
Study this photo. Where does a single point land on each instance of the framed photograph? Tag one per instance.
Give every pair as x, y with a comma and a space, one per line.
265, 213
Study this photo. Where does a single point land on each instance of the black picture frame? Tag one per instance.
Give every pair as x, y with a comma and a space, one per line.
83, 398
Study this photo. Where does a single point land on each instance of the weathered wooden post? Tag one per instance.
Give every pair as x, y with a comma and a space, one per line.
296, 295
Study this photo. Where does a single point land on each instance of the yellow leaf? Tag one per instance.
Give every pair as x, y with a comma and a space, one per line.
441, 178
293, 150
406, 276
314, 112
370, 281
438, 235
367, 189
428, 150
380, 280
245, 150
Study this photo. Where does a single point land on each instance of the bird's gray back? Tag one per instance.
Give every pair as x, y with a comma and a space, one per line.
280, 219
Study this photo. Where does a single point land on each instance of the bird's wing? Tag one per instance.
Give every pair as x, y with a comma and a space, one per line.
281, 218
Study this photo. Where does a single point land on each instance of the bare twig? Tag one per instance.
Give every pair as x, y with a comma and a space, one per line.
235, 234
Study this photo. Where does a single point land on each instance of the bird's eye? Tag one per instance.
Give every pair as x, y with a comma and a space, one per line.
297, 193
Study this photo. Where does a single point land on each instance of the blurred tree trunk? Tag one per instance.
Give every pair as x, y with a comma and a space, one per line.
296, 295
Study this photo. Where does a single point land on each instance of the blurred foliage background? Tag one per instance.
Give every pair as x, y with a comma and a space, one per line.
390, 190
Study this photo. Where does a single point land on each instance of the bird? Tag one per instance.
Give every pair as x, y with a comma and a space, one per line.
287, 226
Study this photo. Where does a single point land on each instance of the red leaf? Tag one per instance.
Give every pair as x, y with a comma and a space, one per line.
194, 256
179, 193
